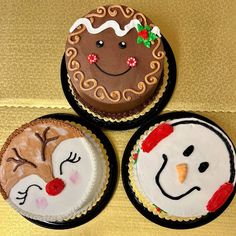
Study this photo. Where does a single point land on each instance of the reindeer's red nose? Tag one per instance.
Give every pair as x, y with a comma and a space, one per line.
55, 186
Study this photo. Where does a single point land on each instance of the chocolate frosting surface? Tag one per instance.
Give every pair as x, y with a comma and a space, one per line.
105, 92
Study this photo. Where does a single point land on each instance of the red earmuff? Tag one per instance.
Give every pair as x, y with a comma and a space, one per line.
160, 132
219, 197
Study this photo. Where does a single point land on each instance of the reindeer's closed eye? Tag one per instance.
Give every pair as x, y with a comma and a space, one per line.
23, 195
73, 158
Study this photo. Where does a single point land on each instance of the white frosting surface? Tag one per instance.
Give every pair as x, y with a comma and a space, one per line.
82, 181
100, 179
208, 147
110, 24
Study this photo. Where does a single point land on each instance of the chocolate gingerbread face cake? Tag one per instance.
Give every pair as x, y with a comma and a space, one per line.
114, 58
52, 170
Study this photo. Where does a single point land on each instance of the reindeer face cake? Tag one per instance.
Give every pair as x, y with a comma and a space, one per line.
114, 57
50, 170
184, 168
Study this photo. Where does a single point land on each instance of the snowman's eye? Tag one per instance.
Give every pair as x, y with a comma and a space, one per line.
73, 158
188, 151
99, 43
203, 167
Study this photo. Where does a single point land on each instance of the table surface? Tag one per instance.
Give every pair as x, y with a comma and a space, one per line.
32, 38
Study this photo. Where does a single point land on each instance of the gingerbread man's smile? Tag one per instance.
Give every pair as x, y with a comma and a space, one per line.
107, 73
93, 58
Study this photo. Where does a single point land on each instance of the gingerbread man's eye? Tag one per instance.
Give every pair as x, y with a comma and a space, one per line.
203, 166
99, 43
122, 45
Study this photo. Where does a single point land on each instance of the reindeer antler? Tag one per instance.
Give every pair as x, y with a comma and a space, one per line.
44, 140
20, 160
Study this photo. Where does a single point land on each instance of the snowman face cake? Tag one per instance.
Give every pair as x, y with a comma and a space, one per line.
50, 170
114, 58
185, 167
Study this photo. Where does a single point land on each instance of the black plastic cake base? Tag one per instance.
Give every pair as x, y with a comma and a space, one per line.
131, 195
112, 180
124, 125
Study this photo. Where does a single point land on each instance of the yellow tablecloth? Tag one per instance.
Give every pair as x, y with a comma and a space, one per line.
32, 38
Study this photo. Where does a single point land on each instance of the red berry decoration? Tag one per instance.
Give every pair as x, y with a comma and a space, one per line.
131, 62
92, 58
158, 209
55, 186
135, 156
143, 34
220, 196
160, 132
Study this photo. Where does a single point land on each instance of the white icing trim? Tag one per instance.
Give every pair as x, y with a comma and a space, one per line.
110, 24
156, 30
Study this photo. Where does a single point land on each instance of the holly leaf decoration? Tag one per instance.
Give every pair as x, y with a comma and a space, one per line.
152, 36
145, 35
147, 27
147, 43
139, 40
140, 27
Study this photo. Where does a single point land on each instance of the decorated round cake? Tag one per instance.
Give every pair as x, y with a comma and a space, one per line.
115, 59
52, 170
183, 168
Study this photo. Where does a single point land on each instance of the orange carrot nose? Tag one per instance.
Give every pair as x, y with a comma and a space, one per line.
182, 170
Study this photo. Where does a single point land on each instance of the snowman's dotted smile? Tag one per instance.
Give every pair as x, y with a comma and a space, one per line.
163, 191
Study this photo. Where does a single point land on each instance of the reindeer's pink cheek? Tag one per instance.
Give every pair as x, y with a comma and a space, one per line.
74, 177
41, 202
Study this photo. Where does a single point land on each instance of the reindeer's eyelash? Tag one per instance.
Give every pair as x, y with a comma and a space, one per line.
73, 158
25, 193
